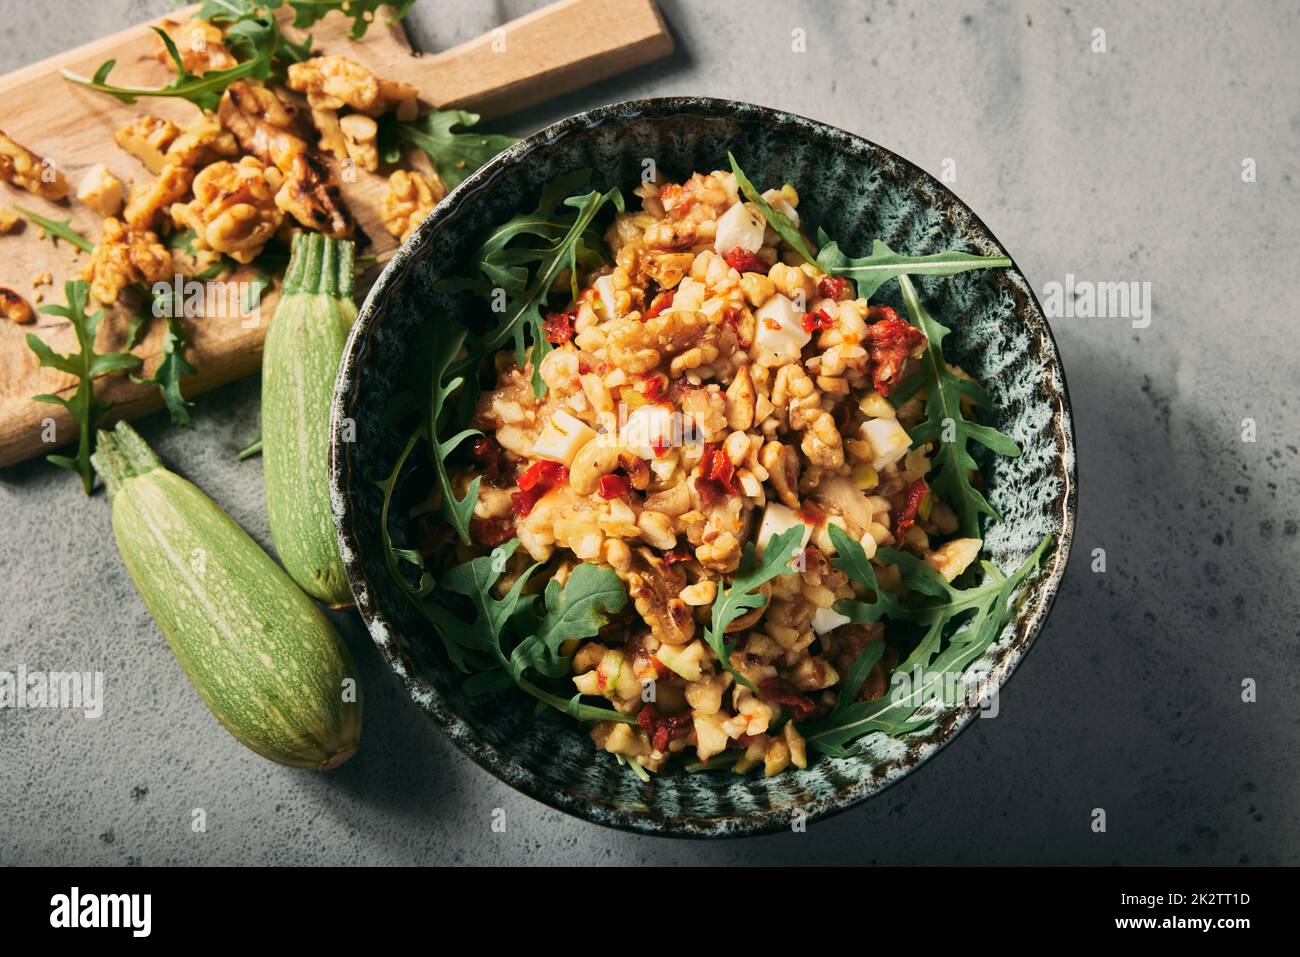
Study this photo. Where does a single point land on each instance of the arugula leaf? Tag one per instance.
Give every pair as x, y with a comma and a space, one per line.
86, 365
779, 221
454, 155
58, 229
586, 610
362, 12
577, 609
921, 679
457, 511
883, 264
742, 597
869, 272
251, 449
952, 462
253, 36
167, 377
525, 311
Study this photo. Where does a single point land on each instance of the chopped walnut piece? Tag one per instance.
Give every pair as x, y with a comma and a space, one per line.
200, 44
9, 220
201, 143
148, 200
410, 197
265, 126
38, 176
361, 140
147, 139
123, 257
15, 307
311, 196
101, 191
333, 82
234, 209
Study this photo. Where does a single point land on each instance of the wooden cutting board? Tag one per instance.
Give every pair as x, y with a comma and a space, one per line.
551, 51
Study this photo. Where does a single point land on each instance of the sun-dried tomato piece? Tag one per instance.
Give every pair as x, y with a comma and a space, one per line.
812, 321
612, 486
494, 461
652, 387
833, 287
911, 505
890, 340
717, 478
559, 326
787, 696
491, 532
544, 473
680, 554
742, 260
536, 481
663, 728
659, 304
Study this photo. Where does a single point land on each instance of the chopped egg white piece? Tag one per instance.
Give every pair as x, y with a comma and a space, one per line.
561, 438
741, 226
776, 519
647, 426
827, 619
778, 328
888, 439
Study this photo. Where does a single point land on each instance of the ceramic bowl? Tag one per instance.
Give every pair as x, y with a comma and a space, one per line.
857, 191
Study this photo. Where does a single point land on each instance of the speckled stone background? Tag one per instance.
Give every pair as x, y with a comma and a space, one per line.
1123, 165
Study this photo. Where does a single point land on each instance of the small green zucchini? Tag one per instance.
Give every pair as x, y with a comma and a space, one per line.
301, 361
263, 656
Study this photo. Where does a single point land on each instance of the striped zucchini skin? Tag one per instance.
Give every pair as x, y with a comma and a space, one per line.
265, 660
301, 361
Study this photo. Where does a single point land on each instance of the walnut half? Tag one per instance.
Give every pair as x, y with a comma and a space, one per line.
234, 209
20, 166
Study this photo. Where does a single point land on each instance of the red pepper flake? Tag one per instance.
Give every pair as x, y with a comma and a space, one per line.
660, 447
717, 477
890, 340
559, 326
771, 323
742, 260
539, 479
663, 728
612, 486
833, 287
659, 304
491, 532
680, 554
787, 696
907, 517
813, 321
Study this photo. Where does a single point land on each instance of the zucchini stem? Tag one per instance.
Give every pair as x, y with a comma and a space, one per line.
120, 455
319, 265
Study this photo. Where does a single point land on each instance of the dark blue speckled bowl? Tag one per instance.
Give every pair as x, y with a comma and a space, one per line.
857, 191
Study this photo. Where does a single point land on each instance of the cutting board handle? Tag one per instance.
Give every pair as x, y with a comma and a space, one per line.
550, 51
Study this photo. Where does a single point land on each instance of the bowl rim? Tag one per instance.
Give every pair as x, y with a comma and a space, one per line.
461, 733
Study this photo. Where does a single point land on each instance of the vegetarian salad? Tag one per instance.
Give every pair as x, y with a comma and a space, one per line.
679, 477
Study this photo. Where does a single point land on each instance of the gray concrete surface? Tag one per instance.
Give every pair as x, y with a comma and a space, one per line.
1123, 165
